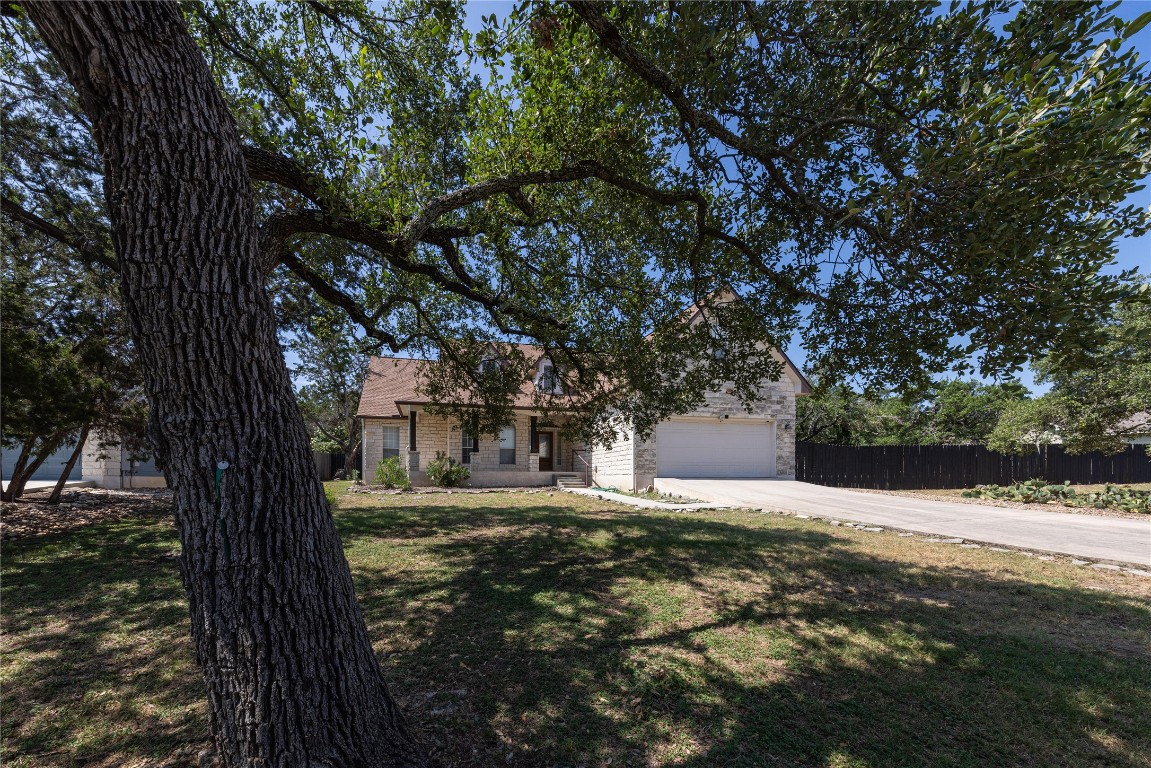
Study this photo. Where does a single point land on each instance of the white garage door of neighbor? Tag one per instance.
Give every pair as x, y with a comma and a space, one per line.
715, 449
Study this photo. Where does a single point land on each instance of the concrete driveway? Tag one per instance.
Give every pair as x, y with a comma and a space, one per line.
1090, 536
39, 485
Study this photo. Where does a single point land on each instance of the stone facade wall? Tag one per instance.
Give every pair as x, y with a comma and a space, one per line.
373, 443
615, 466
777, 401
100, 462
630, 464
645, 458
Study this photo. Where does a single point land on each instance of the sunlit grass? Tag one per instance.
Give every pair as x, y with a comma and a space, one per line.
527, 629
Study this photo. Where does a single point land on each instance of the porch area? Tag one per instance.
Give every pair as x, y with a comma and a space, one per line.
530, 451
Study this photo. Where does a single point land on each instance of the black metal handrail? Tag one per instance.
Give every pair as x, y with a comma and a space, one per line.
586, 468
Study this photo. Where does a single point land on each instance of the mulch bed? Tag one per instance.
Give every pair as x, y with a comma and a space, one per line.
32, 516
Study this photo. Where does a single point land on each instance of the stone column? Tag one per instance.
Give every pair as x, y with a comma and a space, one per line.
413, 454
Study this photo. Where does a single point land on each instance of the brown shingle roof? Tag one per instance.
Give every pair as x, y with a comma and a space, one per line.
389, 380
393, 380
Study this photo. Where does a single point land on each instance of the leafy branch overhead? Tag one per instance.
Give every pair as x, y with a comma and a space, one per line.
577, 174
856, 172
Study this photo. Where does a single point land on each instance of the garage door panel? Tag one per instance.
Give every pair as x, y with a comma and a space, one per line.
715, 449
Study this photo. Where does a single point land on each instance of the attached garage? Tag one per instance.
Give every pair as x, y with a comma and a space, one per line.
715, 448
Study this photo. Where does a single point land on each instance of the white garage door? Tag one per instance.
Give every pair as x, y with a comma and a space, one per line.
715, 449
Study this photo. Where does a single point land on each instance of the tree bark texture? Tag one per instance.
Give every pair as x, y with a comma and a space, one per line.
15, 486
58, 489
291, 674
30, 458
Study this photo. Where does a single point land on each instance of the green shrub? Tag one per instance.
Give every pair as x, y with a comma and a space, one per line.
446, 471
390, 473
1042, 492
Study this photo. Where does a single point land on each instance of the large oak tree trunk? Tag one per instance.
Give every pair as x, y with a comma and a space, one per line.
291, 674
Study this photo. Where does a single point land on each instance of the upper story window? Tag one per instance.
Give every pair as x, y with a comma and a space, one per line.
549, 379
508, 445
489, 365
391, 442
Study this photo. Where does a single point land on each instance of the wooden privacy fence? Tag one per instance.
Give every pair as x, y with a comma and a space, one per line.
911, 467
328, 464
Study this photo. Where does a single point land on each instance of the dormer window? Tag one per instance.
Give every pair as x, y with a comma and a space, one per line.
489, 365
549, 380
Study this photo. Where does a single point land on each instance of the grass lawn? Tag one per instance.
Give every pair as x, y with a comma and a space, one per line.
536, 630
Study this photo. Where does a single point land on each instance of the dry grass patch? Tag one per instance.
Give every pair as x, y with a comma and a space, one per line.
525, 629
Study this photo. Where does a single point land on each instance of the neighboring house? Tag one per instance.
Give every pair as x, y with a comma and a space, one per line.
718, 439
51, 469
104, 463
108, 464
1137, 429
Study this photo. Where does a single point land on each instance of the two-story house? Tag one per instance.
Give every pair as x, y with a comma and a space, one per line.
718, 439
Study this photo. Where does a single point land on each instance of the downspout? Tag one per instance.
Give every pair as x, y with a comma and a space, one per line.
363, 449
634, 455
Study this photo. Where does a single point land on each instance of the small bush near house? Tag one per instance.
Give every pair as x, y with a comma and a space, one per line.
390, 474
446, 471
1042, 492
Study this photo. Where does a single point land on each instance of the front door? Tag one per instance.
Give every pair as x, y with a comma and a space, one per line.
546, 462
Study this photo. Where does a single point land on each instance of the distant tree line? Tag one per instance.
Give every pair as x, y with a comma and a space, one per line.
1099, 400
952, 412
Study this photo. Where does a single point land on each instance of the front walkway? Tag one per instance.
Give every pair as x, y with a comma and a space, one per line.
1091, 536
635, 501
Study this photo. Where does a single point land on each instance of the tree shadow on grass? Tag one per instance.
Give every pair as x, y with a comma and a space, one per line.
528, 632
98, 664
535, 635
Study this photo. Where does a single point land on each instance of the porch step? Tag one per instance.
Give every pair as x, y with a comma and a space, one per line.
570, 481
